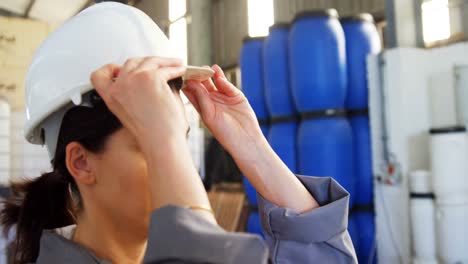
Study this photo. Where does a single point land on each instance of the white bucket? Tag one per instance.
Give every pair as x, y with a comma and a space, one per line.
423, 228
452, 231
449, 158
420, 182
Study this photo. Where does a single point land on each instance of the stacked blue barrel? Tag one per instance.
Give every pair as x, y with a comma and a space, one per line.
315, 69
362, 39
279, 102
319, 87
251, 65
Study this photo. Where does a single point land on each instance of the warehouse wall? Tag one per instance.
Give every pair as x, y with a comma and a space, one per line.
222, 42
229, 27
286, 10
230, 22
158, 11
199, 20
200, 35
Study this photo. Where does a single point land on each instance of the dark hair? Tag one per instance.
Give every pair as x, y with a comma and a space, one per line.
52, 200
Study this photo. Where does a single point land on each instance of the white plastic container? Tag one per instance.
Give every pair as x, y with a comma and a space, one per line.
449, 159
423, 227
420, 182
452, 230
461, 93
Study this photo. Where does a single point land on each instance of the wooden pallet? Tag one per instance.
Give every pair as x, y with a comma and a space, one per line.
227, 201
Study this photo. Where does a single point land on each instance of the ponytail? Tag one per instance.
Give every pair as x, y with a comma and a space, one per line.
52, 200
35, 205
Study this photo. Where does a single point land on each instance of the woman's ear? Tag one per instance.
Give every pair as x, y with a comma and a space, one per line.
78, 163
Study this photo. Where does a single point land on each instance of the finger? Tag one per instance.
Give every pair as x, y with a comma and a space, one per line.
209, 83
130, 65
223, 85
202, 97
102, 78
168, 73
218, 71
153, 62
191, 97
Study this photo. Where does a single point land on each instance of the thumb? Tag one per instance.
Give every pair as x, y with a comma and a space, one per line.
202, 96
223, 85
102, 78
191, 97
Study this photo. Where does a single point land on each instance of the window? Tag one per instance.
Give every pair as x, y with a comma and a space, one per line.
178, 27
261, 17
435, 20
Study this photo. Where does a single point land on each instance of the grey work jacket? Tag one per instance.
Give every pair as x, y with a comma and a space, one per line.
178, 235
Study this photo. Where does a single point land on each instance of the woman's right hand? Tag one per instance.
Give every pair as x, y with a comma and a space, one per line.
138, 94
143, 101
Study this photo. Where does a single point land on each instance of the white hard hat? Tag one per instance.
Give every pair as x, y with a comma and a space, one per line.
60, 71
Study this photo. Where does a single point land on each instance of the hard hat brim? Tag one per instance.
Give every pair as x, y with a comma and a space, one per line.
33, 127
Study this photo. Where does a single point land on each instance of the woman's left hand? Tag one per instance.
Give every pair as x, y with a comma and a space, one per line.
226, 112
228, 115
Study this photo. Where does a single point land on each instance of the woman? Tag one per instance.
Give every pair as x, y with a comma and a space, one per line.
123, 180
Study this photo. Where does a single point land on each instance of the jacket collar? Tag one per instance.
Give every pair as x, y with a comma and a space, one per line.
57, 248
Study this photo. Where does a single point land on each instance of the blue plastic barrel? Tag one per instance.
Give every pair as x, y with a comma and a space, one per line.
276, 72
253, 224
325, 148
353, 232
317, 60
282, 138
250, 191
252, 75
362, 39
363, 159
366, 230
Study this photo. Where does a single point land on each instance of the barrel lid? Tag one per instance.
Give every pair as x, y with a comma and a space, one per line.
283, 119
247, 39
358, 112
280, 25
447, 130
327, 113
316, 13
418, 195
363, 17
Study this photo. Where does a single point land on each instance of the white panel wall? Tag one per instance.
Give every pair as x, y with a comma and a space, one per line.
27, 160
411, 80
